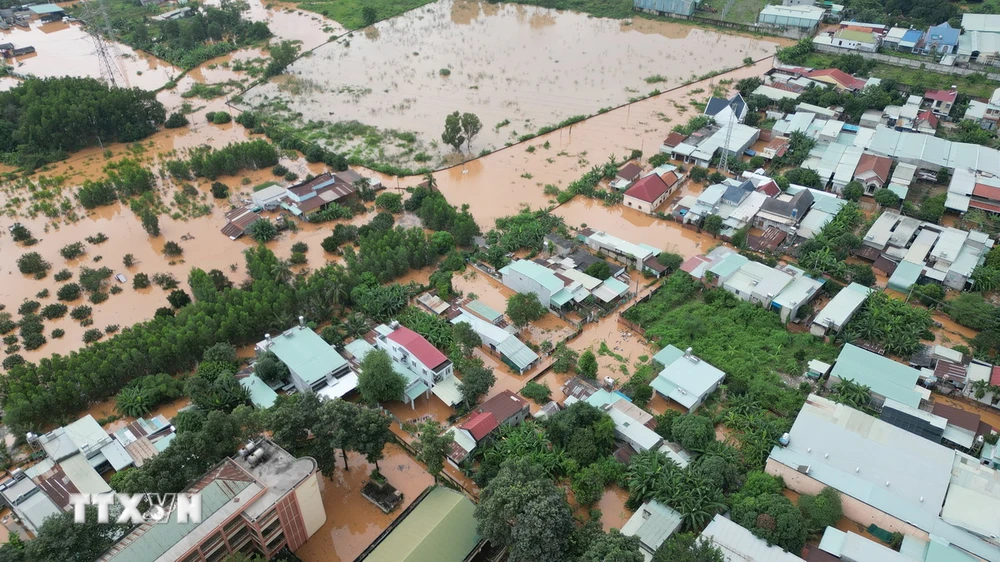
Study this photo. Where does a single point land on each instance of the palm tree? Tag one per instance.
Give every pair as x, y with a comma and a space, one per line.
356, 324
281, 271
430, 181
133, 402
980, 387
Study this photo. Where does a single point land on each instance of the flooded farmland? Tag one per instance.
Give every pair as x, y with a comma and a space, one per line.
517, 67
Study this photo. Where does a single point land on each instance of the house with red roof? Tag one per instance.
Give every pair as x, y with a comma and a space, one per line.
986, 197
651, 191
420, 363
941, 101
672, 140
837, 78
926, 122
508, 408
480, 425
873, 172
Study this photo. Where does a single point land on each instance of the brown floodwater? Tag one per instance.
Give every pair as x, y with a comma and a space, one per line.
524, 65
65, 49
352, 522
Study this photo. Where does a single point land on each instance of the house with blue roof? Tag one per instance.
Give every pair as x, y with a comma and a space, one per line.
685, 378
940, 39
725, 111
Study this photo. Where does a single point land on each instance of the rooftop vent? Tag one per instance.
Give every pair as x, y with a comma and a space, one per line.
302, 322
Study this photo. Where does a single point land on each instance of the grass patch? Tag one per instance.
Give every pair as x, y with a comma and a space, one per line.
349, 12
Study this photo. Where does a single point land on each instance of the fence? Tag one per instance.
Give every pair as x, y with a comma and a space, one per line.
911, 63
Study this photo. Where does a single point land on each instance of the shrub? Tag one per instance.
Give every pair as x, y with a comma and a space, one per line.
58, 333
96, 239
93, 279
178, 298
68, 292
172, 249
32, 263
279, 170
80, 312
112, 329
392, 202
175, 121
63, 275
115, 289
20, 233
140, 281
33, 341
28, 307
97, 297
220, 190
128, 260
43, 294
72, 251
54, 310
221, 118
300, 247
540, 393
291, 176
298, 258
92, 335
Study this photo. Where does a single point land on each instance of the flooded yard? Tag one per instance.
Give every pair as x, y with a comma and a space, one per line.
518, 68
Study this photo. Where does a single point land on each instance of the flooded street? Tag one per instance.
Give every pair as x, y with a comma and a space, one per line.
518, 68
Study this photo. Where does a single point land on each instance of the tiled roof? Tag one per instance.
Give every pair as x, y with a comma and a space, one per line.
629, 171
648, 189
480, 425
503, 405
957, 416
674, 139
769, 188
872, 163
418, 346
941, 95
838, 76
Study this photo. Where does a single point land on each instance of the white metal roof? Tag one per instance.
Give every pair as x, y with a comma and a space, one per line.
921, 246
842, 306
878, 235
740, 545
633, 430
949, 244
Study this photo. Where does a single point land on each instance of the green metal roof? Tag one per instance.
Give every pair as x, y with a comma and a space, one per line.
663, 386
441, 528
940, 552
539, 273
668, 355
414, 392
306, 354
615, 285
905, 276
561, 297
158, 539
517, 352
261, 395
884, 376
486, 312
728, 265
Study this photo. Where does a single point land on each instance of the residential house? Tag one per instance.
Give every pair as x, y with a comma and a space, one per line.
785, 211
892, 478
27, 500
512, 351
986, 114
526, 276
463, 444
439, 526
268, 198
685, 378
310, 196
887, 379
481, 425
901, 39
839, 311
144, 439
626, 175
926, 122
981, 40
413, 350
941, 101
850, 39
941, 39
508, 408
740, 545
702, 146
653, 523
667, 7
238, 221
559, 245
313, 364
266, 501
672, 140
986, 195
964, 428
641, 256
837, 78
802, 17
825, 206
727, 111
873, 171
650, 192
415, 384
630, 427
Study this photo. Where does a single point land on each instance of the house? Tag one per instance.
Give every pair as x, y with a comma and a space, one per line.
413, 350
526, 276
963, 429
873, 172
653, 523
261, 395
941, 101
802, 17
986, 195
439, 526
926, 122
893, 37
667, 7
886, 378
740, 545
415, 384
461, 448
268, 198
685, 379
27, 500
512, 351
48, 12
650, 192
312, 363
626, 175
850, 39
239, 220
891, 478
144, 439
558, 245
986, 114
941, 39
784, 211
630, 430
726, 111
837, 78
839, 311
672, 140
825, 207
508, 408
981, 40
310, 196
702, 146
268, 501
641, 256
481, 425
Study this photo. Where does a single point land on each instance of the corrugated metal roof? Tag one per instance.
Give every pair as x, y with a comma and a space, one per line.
480, 308
261, 395
653, 523
740, 545
447, 390
441, 528
536, 272
882, 375
517, 352
305, 354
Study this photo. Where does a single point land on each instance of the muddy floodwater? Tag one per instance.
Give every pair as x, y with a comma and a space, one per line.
517, 67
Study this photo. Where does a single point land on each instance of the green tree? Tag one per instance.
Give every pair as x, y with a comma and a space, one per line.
713, 224
270, 369
521, 509
150, 223
262, 231
471, 125
524, 308
587, 366
432, 446
392, 202
369, 15
599, 270
476, 382
282, 55
886, 198
613, 547
369, 433
929, 295
670, 260
686, 547
304, 425
588, 485
855, 395
60, 538
822, 510
378, 381
178, 298
693, 432
452, 135
853, 190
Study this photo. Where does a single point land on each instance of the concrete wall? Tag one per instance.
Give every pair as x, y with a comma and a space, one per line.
521, 284
311, 504
854, 509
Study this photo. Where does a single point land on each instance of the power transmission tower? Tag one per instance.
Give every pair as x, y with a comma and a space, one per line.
724, 159
107, 51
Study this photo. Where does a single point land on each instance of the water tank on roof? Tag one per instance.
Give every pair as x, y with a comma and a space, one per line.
784, 440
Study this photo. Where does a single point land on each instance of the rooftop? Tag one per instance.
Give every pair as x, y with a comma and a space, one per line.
740, 545
480, 425
84, 435
686, 378
843, 305
261, 395
439, 528
305, 354
503, 406
882, 375
648, 189
418, 346
653, 523
536, 272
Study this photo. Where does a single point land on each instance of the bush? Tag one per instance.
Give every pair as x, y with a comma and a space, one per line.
262, 231
540, 393
63, 275
279, 170
80, 312
28, 307
140, 281
298, 258
68, 292
54, 310
178, 298
98, 297
172, 249
32, 263
58, 333
72, 251
392, 202
175, 121
300, 247
220, 190
92, 335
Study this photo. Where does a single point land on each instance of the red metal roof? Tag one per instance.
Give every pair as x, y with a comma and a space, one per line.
480, 425
842, 78
986, 191
422, 349
956, 416
769, 188
941, 95
984, 206
649, 188
928, 115
995, 376
674, 139
504, 405
693, 262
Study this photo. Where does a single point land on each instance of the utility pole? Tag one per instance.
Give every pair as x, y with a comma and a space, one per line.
106, 51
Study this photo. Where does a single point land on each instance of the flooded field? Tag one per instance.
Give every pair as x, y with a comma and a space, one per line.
65, 49
517, 67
